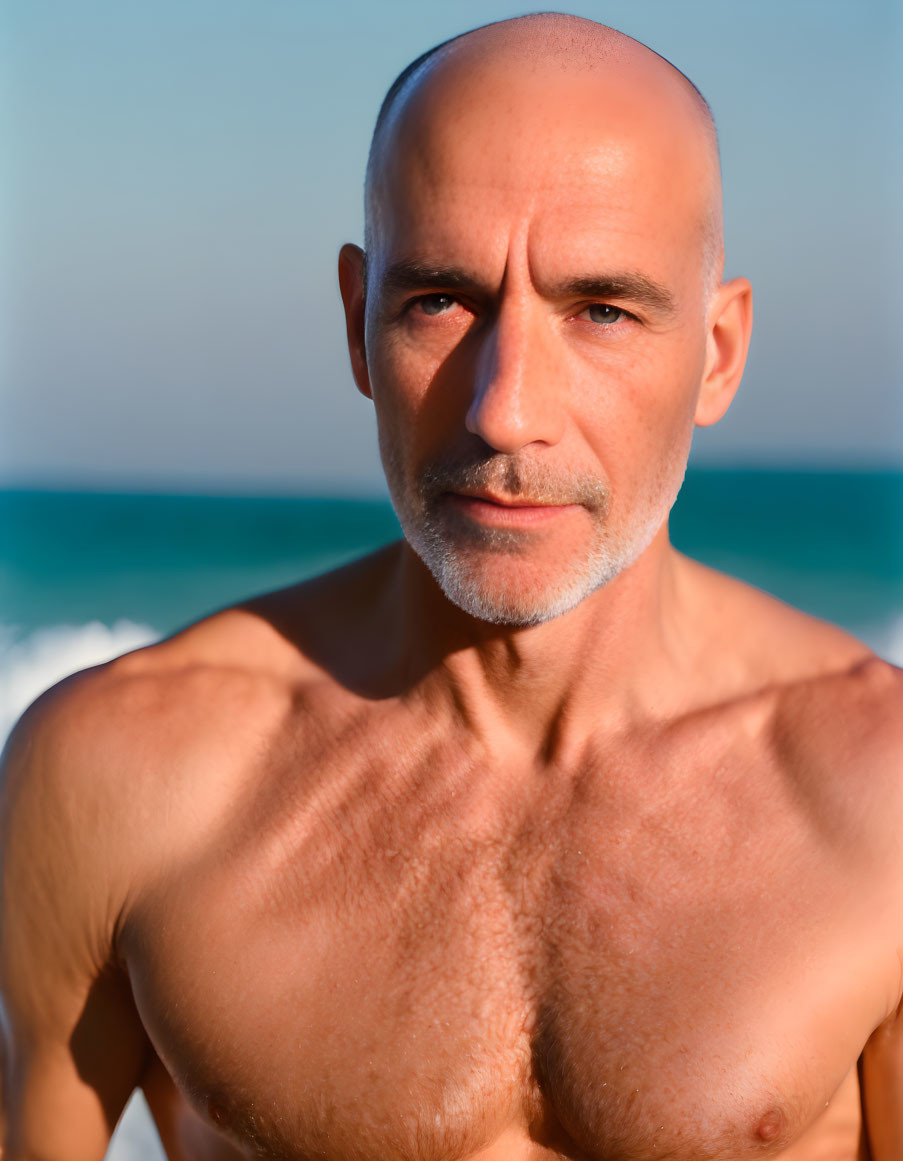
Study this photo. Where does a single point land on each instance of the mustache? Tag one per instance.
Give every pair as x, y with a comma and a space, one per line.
514, 477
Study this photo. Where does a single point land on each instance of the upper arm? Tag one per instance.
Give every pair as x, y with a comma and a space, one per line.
73, 1045
881, 1063
881, 1080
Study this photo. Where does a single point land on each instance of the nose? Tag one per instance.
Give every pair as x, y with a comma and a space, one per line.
516, 394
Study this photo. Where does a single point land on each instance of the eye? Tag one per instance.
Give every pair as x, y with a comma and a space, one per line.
605, 314
436, 303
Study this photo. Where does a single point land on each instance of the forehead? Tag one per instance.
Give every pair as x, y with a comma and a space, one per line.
562, 161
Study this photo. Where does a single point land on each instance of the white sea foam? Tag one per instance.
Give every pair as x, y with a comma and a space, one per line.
887, 639
30, 664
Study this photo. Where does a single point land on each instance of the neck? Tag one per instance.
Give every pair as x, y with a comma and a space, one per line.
615, 658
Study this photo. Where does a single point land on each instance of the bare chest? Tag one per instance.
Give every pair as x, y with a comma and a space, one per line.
405, 981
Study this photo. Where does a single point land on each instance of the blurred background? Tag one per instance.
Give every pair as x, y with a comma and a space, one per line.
178, 424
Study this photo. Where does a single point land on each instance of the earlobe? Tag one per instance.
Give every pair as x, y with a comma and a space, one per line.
727, 342
351, 285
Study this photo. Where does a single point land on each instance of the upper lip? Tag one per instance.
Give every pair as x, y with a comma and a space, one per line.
505, 501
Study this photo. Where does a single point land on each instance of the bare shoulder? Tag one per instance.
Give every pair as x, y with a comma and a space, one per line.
831, 708
830, 689
146, 750
824, 696
142, 698
164, 739
849, 720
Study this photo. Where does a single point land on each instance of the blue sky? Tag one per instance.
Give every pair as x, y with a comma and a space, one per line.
179, 177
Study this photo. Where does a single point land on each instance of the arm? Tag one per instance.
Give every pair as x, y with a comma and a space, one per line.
881, 1062
73, 1045
881, 1080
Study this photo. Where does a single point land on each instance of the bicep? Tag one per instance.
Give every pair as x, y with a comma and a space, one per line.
72, 1043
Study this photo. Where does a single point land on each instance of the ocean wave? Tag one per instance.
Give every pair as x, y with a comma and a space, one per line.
31, 664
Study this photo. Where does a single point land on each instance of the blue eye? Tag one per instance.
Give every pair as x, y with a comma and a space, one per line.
436, 303
601, 312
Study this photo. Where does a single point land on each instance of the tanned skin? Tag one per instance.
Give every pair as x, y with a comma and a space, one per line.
351, 873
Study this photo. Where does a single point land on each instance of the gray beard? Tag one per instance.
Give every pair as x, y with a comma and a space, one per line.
466, 579
540, 603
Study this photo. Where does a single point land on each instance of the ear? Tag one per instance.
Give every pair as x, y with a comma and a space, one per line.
351, 284
727, 341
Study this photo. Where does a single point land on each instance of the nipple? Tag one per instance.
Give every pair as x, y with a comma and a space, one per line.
770, 1125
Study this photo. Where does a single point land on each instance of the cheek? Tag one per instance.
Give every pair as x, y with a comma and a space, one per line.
422, 390
397, 380
405, 404
639, 408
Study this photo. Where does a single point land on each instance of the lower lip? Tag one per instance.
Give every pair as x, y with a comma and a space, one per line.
507, 515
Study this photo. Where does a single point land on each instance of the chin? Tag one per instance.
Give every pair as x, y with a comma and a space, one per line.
503, 590
514, 610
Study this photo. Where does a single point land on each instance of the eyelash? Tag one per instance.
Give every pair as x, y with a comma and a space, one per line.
622, 312
422, 298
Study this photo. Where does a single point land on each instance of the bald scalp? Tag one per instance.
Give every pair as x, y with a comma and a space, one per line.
531, 43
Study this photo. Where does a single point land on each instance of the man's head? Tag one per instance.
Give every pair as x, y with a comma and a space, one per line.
539, 318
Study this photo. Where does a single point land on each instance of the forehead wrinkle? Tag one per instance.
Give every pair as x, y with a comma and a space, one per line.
586, 266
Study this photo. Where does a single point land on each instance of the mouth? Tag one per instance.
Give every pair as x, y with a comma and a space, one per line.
505, 512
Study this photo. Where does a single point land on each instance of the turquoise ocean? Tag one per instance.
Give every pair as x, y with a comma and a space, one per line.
84, 576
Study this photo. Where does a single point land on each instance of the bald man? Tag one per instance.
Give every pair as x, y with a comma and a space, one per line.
525, 838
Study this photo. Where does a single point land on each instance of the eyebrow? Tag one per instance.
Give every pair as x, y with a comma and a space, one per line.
411, 275
622, 286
